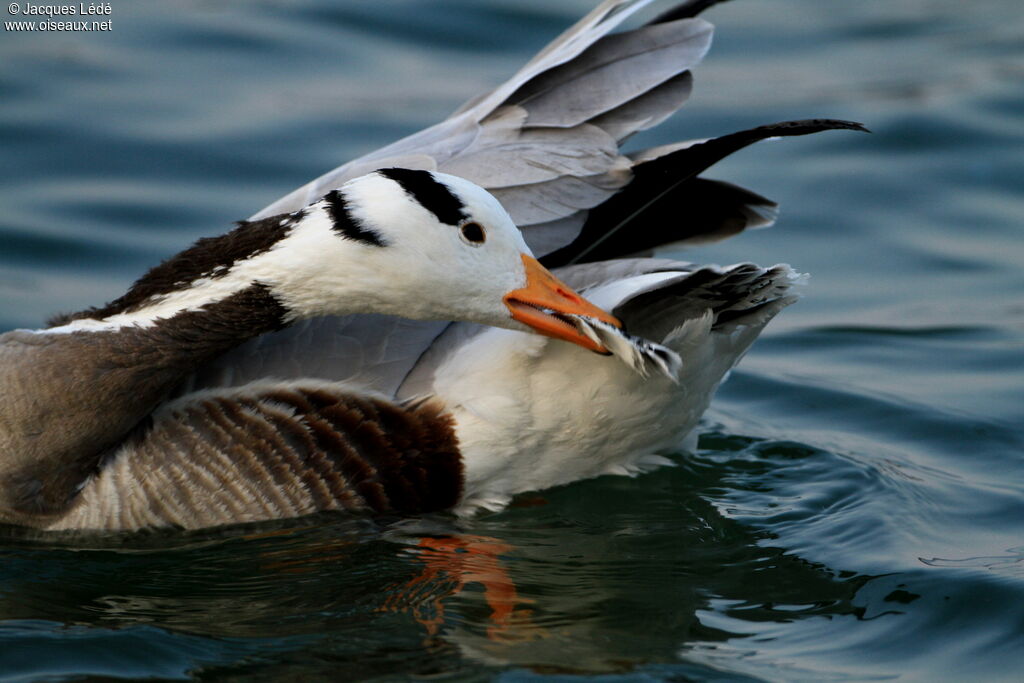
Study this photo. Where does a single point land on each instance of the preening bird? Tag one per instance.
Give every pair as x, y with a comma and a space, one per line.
308, 359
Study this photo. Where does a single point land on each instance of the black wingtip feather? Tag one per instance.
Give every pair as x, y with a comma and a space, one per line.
805, 127
686, 10
667, 202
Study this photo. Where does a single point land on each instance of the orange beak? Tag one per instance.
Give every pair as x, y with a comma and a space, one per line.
544, 301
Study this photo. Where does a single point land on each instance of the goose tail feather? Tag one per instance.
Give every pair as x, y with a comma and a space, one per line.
674, 303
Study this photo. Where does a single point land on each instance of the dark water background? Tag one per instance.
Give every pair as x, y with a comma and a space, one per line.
856, 507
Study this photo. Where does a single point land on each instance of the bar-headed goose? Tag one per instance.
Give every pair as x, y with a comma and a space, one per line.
304, 361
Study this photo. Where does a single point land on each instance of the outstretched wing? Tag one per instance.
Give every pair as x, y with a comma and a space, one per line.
546, 141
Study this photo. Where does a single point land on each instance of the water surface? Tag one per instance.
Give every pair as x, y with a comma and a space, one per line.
855, 510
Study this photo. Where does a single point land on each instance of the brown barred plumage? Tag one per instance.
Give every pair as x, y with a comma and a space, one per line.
272, 451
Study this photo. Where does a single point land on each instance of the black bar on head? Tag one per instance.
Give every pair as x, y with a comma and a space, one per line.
432, 194
347, 225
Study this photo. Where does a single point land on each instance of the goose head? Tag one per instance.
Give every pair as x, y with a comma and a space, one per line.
423, 245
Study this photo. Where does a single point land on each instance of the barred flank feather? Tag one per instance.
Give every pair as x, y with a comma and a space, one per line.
272, 451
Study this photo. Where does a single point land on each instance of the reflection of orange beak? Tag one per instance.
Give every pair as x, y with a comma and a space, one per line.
544, 301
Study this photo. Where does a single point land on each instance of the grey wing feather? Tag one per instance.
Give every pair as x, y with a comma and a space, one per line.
552, 200
583, 276
551, 235
573, 41
647, 110
505, 155
613, 71
372, 351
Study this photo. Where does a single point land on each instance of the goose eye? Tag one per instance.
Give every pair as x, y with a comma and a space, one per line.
472, 233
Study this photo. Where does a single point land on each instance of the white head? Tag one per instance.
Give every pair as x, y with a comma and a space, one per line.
423, 245
408, 243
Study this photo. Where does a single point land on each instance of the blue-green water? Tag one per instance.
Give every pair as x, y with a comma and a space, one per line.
856, 507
